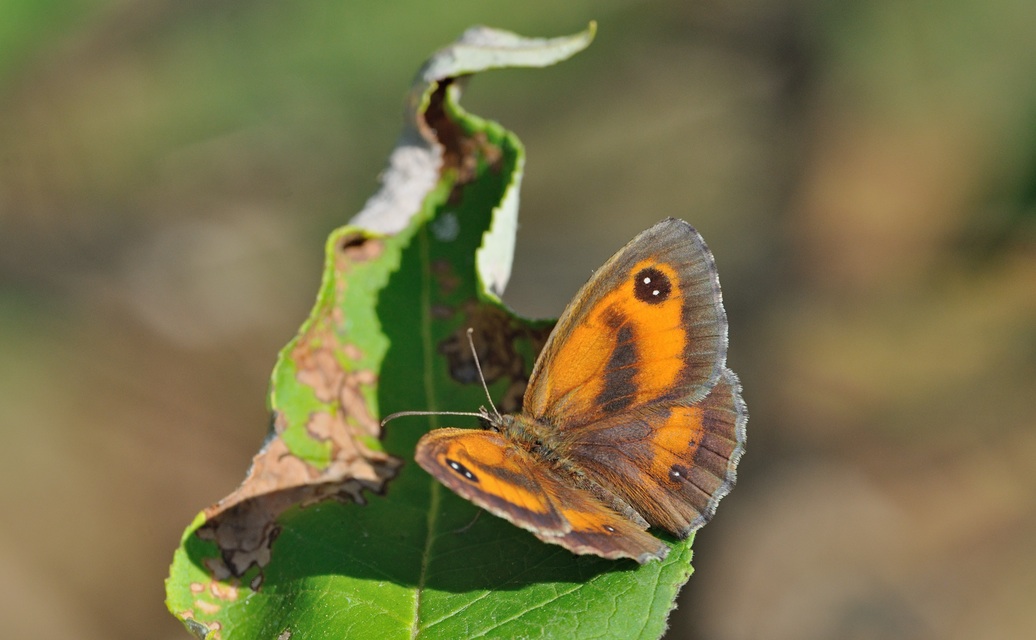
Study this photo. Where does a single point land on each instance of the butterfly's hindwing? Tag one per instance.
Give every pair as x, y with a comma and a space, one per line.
671, 463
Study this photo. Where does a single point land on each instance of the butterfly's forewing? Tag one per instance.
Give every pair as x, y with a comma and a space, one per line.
649, 326
673, 462
509, 482
485, 468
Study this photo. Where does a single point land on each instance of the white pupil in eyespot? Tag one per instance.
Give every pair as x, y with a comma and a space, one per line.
461, 469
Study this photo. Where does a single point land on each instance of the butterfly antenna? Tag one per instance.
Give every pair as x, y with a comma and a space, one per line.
403, 414
482, 378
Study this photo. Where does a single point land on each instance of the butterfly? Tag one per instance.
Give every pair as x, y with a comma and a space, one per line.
630, 419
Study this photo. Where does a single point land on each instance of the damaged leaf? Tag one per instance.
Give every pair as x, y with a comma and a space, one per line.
335, 531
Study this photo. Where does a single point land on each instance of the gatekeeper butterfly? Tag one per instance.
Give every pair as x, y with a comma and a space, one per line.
630, 420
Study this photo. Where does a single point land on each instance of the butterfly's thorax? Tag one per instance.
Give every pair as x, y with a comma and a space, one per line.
530, 434
550, 447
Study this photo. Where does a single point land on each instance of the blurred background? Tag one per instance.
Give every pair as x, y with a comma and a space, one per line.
865, 173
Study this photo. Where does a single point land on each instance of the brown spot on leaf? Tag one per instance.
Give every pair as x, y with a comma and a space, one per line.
490, 152
217, 568
208, 608
319, 370
461, 152
364, 377
444, 130
358, 247
354, 405
495, 334
320, 426
351, 249
511, 401
351, 351
224, 590
445, 277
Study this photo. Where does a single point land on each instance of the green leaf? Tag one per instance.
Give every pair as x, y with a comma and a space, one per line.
335, 531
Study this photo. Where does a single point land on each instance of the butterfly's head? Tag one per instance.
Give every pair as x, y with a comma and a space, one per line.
496, 422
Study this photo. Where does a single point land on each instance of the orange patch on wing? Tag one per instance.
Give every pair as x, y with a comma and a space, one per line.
660, 337
586, 520
576, 369
676, 440
660, 334
479, 457
592, 517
